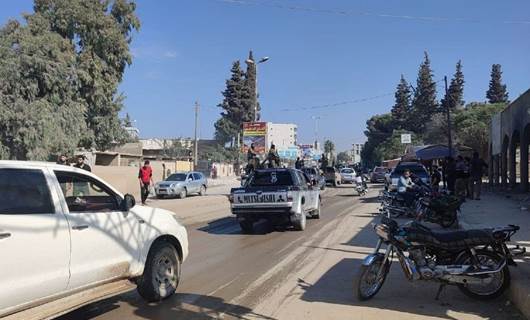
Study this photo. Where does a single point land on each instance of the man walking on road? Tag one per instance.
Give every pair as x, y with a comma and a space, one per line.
477, 167
145, 175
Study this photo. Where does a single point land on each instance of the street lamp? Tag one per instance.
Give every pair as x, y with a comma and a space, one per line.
316, 118
250, 61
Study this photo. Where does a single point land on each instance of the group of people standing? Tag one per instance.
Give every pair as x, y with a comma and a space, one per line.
464, 175
79, 162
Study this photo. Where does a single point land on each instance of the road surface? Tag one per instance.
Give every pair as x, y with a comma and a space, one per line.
285, 274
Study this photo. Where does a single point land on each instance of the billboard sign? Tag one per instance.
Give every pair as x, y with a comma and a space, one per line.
254, 133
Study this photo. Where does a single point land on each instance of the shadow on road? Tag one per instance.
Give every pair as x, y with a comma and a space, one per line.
339, 286
186, 306
230, 226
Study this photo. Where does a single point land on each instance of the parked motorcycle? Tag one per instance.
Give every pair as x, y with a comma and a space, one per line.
474, 260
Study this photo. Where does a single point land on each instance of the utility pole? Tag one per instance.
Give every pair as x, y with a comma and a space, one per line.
448, 111
196, 144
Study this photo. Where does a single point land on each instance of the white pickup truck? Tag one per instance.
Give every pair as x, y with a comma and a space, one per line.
282, 196
68, 239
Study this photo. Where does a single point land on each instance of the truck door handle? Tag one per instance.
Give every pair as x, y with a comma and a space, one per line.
141, 221
4, 235
81, 227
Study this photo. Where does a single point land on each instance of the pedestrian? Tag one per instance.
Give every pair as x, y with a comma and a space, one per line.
80, 163
63, 160
145, 176
436, 178
450, 174
461, 177
298, 164
476, 172
469, 187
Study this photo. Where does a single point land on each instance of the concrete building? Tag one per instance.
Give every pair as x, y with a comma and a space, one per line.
356, 150
282, 135
509, 143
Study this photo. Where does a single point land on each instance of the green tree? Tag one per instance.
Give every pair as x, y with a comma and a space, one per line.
329, 146
392, 147
424, 103
378, 129
100, 32
344, 157
472, 125
250, 83
455, 93
40, 110
235, 107
497, 92
401, 111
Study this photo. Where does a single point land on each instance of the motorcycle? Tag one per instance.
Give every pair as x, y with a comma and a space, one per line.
474, 260
360, 186
441, 209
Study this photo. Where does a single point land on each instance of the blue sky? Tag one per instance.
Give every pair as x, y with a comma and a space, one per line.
321, 52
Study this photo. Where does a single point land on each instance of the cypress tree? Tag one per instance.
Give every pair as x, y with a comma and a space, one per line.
235, 106
455, 92
497, 91
424, 103
250, 83
401, 109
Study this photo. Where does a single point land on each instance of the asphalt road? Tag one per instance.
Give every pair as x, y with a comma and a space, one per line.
285, 274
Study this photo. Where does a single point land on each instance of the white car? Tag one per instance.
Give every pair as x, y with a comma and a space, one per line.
67, 239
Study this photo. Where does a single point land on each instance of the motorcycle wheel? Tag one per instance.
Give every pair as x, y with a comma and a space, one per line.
500, 281
367, 284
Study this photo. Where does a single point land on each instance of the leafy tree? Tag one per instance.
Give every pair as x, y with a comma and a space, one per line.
472, 125
343, 157
329, 146
497, 91
392, 147
436, 132
424, 103
401, 111
250, 83
378, 129
455, 92
235, 107
59, 74
40, 110
100, 32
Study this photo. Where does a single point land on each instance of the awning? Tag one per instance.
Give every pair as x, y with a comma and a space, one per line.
431, 152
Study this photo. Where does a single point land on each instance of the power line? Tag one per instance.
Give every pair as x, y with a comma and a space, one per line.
330, 105
370, 14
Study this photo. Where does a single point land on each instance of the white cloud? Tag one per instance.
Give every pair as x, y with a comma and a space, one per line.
170, 54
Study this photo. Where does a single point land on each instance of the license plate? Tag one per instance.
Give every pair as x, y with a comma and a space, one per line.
257, 198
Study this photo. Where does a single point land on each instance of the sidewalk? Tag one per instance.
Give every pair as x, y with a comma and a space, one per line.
498, 210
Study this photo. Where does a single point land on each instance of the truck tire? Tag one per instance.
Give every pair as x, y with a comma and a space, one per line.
247, 226
299, 224
155, 285
316, 213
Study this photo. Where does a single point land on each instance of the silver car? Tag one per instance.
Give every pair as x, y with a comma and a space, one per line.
347, 175
182, 184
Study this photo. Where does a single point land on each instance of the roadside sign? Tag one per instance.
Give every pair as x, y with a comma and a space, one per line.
406, 138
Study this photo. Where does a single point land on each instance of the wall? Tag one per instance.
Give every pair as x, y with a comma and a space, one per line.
282, 135
125, 179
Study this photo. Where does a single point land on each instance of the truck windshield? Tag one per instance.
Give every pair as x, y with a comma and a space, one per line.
270, 178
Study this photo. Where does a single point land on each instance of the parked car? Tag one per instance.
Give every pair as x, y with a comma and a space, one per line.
67, 238
332, 176
378, 175
182, 184
281, 196
415, 168
347, 175
315, 175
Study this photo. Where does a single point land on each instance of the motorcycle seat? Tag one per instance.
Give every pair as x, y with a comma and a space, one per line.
449, 240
